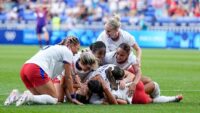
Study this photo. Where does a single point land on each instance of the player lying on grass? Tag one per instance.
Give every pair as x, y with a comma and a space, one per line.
100, 91
38, 71
110, 73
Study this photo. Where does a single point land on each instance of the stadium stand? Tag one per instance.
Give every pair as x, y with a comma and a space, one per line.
86, 15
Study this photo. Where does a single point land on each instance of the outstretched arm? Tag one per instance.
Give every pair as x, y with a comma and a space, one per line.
68, 83
138, 51
107, 92
138, 73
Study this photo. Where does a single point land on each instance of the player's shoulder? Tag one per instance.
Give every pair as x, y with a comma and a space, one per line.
63, 49
125, 34
102, 36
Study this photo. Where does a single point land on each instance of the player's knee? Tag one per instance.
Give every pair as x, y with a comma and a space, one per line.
146, 80
156, 91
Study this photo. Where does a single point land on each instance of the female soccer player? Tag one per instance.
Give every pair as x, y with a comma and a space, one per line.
125, 59
83, 64
140, 97
37, 72
42, 13
113, 36
98, 48
106, 83
111, 74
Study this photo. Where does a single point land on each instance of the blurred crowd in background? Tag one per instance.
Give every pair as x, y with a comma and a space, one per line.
74, 11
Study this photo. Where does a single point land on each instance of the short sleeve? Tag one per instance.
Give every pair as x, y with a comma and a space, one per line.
132, 58
101, 36
67, 56
130, 39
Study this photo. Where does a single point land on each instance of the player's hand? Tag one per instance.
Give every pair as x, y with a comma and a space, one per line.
131, 89
122, 84
76, 102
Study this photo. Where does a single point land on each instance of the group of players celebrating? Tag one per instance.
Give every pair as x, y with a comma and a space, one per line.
108, 72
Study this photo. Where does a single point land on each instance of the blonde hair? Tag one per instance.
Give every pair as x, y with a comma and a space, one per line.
114, 21
87, 58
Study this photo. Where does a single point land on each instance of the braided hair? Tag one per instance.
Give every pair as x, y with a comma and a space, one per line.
69, 40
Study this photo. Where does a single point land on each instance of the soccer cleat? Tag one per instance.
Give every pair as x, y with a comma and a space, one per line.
13, 97
179, 98
25, 98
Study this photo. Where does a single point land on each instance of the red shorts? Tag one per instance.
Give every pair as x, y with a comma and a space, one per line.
139, 96
55, 80
33, 76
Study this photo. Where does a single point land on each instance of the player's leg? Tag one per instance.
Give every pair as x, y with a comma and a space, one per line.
165, 99
148, 84
15, 94
139, 96
46, 91
46, 35
41, 88
59, 89
145, 79
39, 35
156, 90
149, 87
39, 40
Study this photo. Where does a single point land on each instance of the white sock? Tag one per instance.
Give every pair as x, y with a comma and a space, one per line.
164, 99
156, 91
43, 99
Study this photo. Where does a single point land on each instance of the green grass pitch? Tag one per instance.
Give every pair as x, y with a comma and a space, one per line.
177, 72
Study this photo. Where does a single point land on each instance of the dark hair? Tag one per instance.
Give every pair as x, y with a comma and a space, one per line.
69, 40
95, 87
118, 73
97, 45
82, 99
125, 47
111, 78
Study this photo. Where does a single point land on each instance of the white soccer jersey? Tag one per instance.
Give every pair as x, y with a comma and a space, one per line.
110, 58
122, 93
111, 45
52, 58
102, 72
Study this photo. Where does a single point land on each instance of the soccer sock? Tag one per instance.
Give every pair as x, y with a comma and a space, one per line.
164, 99
156, 92
47, 42
43, 99
40, 43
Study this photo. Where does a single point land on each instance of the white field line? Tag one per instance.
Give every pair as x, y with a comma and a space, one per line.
181, 90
